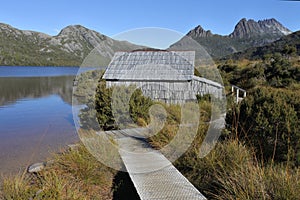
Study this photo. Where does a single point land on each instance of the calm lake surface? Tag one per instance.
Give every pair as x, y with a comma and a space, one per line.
35, 114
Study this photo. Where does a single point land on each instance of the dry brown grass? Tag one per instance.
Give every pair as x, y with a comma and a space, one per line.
74, 174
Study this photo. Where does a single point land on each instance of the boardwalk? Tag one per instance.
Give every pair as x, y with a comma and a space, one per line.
153, 176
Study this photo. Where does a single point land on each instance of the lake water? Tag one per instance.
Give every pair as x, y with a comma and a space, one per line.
35, 114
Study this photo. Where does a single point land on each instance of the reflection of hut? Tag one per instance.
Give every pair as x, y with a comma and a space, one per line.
162, 75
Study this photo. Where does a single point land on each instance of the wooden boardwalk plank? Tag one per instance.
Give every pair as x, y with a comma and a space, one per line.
153, 175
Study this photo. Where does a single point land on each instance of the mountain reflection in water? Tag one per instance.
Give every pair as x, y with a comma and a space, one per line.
35, 119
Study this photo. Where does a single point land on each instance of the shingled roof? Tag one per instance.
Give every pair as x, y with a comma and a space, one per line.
152, 66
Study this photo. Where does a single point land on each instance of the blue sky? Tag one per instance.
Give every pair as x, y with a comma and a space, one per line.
112, 17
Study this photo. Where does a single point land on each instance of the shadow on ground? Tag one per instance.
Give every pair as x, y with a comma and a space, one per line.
124, 188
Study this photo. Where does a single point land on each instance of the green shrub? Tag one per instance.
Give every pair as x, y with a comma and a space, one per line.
268, 121
129, 104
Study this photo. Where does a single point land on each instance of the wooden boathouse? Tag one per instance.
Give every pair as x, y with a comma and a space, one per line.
166, 76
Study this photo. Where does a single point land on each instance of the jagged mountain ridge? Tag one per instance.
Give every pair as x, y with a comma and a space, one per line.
75, 42
289, 44
249, 28
68, 48
246, 34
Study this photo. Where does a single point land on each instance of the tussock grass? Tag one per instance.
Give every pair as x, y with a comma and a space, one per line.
257, 182
74, 174
17, 188
231, 170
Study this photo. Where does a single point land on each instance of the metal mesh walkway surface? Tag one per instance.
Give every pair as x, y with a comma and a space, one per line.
153, 175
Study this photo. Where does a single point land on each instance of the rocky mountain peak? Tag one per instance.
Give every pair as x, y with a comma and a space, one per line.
79, 31
77, 38
199, 32
250, 28
69, 47
275, 26
73, 29
247, 34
